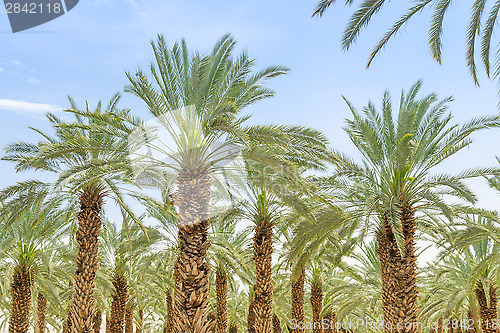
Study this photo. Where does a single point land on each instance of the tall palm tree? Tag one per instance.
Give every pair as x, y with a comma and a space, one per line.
86, 168
395, 187
198, 99
477, 28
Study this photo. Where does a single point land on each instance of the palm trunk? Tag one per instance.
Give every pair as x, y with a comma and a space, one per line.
129, 320
276, 324
118, 304
20, 291
330, 322
316, 305
251, 317
233, 328
108, 325
87, 238
169, 323
298, 319
221, 291
97, 320
191, 271
263, 250
471, 323
488, 310
140, 324
41, 310
399, 275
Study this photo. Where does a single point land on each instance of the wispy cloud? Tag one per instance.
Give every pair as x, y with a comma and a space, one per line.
27, 107
17, 62
1, 69
33, 80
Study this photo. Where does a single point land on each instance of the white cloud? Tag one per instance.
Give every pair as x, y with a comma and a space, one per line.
33, 80
17, 62
27, 107
1, 69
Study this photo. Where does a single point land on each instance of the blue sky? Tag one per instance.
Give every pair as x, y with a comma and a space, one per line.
85, 53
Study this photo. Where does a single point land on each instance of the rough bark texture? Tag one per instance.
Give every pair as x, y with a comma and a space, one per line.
41, 310
87, 238
118, 304
221, 292
298, 302
97, 320
399, 275
191, 271
67, 322
316, 305
233, 328
139, 328
330, 319
487, 307
470, 323
129, 320
276, 324
211, 322
263, 288
251, 318
169, 323
20, 292
108, 325
440, 325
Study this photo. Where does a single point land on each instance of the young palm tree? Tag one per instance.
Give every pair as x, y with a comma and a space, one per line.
394, 188
88, 169
120, 252
464, 284
27, 243
477, 28
230, 256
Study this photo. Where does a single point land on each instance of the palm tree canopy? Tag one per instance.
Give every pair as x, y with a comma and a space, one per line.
481, 25
399, 155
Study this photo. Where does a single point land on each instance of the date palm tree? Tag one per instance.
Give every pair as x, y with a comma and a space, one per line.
120, 252
479, 31
230, 255
395, 187
27, 245
463, 282
87, 170
198, 99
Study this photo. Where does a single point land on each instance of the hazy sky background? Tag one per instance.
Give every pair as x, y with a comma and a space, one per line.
85, 53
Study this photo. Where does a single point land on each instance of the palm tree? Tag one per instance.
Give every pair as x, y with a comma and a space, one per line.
298, 292
120, 252
353, 291
464, 284
394, 189
476, 28
88, 169
230, 256
316, 300
197, 99
27, 246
